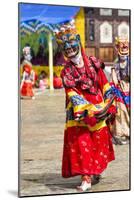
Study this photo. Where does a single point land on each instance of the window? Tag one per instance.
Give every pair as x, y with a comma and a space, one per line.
105, 12
123, 12
106, 32
123, 30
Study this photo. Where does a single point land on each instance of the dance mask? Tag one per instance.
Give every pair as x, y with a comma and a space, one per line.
122, 46
69, 41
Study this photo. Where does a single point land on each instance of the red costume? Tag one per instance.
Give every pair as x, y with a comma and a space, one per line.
89, 108
87, 144
27, 81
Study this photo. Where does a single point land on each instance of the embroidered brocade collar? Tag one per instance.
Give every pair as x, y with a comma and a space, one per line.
84, 78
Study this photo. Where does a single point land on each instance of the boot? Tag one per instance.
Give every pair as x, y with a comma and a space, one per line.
86, 184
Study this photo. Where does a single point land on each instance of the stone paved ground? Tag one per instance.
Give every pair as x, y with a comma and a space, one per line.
42, 125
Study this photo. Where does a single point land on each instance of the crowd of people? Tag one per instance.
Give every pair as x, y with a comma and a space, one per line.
41, 57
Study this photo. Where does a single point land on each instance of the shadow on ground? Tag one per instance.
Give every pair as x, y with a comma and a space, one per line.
55, 181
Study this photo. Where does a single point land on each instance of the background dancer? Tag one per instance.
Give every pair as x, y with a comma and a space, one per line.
120, 85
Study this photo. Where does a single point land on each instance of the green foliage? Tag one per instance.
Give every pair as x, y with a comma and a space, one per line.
34, 40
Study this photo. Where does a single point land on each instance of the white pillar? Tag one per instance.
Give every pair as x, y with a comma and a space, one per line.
50, 46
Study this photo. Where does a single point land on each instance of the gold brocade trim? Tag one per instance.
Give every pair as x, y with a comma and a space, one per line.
72, 123
90, 107
69, 105
72, 93
98, 126
106, 87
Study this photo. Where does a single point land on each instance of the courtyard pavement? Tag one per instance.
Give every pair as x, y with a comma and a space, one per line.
41, 144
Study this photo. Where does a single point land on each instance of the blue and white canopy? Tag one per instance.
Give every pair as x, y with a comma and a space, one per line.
35, 17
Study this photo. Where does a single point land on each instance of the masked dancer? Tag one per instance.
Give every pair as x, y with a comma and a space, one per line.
90, 108
120, 85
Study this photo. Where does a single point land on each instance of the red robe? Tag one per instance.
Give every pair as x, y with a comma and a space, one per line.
87, 146
27, 81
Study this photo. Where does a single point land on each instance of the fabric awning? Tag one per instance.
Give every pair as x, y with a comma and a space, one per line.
49, 14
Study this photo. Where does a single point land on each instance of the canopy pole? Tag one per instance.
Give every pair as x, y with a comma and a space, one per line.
50, 46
